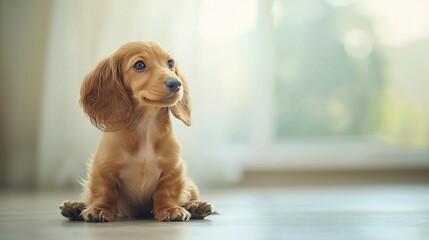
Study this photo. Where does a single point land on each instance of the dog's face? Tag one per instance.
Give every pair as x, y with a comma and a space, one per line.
138, 75
150, 73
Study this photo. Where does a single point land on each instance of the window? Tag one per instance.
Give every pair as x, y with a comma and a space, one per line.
348, 89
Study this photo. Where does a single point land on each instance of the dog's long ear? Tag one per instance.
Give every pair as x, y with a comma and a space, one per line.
182, 110
104, 97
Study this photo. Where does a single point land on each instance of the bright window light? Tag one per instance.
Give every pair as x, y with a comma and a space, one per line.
398, 22
227, 19
358, 43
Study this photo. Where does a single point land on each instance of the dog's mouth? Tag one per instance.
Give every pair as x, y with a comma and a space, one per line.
169, 100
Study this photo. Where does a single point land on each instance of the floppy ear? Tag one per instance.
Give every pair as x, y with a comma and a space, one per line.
104, 97
182, 110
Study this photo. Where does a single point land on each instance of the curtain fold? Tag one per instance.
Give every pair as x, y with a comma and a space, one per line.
83, 33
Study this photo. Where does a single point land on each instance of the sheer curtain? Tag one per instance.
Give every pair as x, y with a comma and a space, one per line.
84, 32
254, 67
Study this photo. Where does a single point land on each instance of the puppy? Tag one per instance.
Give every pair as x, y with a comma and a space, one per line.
137, 170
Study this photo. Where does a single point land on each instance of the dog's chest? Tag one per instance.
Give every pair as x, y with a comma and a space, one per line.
142, 166
140, 177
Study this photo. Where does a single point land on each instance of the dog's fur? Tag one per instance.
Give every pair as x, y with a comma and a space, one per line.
137, 170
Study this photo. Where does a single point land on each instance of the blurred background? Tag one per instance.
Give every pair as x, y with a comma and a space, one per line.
280, 88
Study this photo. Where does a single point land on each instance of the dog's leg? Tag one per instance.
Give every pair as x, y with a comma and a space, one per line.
168, 197
102, 197
72, 210
167, 208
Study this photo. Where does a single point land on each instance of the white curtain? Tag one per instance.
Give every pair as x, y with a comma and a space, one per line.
231, 52
83, 32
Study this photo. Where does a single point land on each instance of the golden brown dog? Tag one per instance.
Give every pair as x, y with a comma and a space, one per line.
137, 170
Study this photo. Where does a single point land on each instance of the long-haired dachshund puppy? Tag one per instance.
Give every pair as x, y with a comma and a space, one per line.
137, 170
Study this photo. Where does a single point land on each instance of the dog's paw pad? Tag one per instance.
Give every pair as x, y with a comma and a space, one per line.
199, 209
72, 210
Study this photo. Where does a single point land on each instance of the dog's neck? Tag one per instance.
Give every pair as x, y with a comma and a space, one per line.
147, 126
150, 118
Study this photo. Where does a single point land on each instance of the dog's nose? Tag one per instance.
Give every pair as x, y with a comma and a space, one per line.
173, 84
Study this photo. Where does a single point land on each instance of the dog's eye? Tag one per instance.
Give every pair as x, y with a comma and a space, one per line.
170, 64
139, 66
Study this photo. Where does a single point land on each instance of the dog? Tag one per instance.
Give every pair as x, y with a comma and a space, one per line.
137, 170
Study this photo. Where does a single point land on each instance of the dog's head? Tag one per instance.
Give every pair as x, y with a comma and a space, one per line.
138, 75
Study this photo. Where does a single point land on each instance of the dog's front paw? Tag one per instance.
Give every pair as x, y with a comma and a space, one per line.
93, 214
199, 209
173, 214
72, 210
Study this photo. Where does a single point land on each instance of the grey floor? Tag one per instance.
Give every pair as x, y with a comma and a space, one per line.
358, 212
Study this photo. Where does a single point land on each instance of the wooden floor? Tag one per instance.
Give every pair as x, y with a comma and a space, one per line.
358, 212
